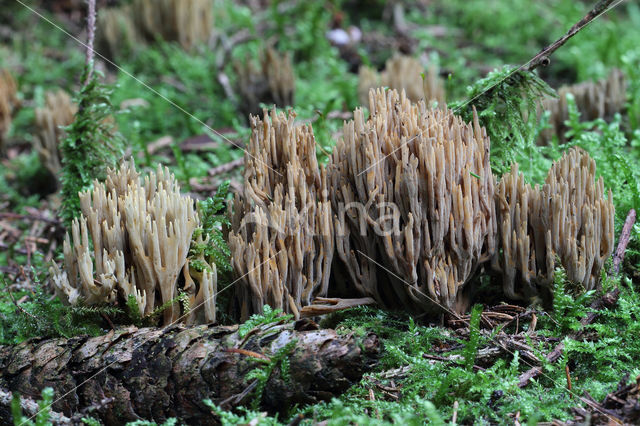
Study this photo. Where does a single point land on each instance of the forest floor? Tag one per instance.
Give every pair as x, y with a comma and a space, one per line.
511, 364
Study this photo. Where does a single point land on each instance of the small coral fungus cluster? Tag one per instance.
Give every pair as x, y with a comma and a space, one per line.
8, 103
140, 232
600, 99
403, 73
568, 219
59, 111
124, 26
406, 212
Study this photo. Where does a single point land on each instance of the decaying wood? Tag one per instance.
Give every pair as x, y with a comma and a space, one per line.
154, 374
29, 408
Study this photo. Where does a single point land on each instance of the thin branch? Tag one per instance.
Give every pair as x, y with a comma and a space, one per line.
542, 58
625, 236
91, 34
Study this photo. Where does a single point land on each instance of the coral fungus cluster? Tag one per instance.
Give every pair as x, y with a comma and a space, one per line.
408, 203
412, 188
186, 22
568, 218
403, 73
140, 232
58, 112
8, 103
273, 82
600, 99
282, 228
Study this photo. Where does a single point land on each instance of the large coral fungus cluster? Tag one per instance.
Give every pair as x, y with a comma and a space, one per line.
8, 103
140, 232
412, 191
58, 112
282, 231
599, 99
568, 218
403, 73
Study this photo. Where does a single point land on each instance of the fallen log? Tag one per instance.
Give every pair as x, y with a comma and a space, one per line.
154, 374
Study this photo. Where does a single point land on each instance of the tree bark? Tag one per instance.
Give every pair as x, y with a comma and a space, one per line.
154, 374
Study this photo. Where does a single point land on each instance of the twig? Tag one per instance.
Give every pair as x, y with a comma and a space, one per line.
568, 373
625, 236
542, 58
227, 167
326, 305
91, 31
20, 308
8, 215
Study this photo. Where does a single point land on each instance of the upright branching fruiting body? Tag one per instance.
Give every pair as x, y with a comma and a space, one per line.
8, 103
121, 29
403, 73
141, 232
116, 32
271, 83
568, 218
57, 113
412, 190
526, 257
282, 229
600, 99
90, 147
187, 22
580, 217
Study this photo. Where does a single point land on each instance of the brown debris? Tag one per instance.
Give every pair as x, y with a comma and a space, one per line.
272, 83
141, 232
8, 104
412, 190
599, 99
59, 111
403, 73
327, 305
621, 406
282, 229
